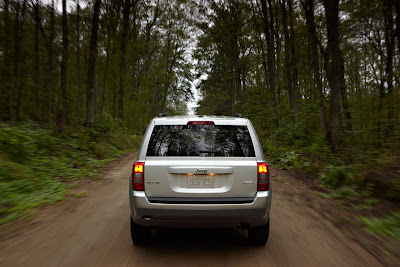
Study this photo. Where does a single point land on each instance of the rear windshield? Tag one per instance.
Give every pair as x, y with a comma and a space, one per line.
200, 140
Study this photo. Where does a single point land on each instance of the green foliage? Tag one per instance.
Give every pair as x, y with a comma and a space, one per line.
23, 188
103, 149
322, 194
334, 176
368, 204
35, 161
292, 145
24, 142
290, 158
371, 201
344, 183
349, 191
394, 190
387, 226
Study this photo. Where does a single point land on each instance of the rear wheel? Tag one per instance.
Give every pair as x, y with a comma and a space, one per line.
259, 235
140, 234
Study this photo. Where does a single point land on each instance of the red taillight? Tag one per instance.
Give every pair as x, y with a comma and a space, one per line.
200, 123
138, 176
262, 176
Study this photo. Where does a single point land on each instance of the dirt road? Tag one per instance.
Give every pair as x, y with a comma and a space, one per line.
94, 231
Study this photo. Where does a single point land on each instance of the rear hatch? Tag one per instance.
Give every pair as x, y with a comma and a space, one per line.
200, 163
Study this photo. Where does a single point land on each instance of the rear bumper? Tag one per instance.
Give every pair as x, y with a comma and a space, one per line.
160, 215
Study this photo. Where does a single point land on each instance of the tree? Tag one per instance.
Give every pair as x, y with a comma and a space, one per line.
266, 59
37, 65
268, 29
335, 68
389, 41
50, 59
91, 91
5, 96
125, 23
64, 64
397, 8
308, 6
78, 61
17, 92
290, 57
293, 65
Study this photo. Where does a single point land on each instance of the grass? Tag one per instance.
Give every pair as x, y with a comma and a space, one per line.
322, 194
368, 204
37, 163
388, 226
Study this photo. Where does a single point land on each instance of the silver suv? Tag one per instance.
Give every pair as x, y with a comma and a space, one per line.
200, 171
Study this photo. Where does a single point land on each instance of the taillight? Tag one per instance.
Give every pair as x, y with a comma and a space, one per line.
263, 176
138, 176
200, 123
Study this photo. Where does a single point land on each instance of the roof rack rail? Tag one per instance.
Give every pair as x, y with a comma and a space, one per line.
238, 115
161, 115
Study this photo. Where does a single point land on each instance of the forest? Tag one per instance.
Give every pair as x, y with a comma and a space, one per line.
330, 67
319, 79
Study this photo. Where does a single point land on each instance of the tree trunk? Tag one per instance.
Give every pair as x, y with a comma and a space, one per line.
50, 55
335, 70
288, 73
397, 7
125, 28
78, 62
278, 60
264, 63
13, 107
345, 104
268, 29
293, 64
235, 11
5, 96
64, 64
37, 70
23, 58
103, 95
309, 9
17, 92
166, 83
389, 40
149, 52
91, 89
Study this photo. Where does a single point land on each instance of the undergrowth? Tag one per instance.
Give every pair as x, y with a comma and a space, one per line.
341, 174
36, 162
388, 226
295, 145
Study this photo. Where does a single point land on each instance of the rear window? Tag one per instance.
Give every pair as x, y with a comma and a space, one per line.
200, 140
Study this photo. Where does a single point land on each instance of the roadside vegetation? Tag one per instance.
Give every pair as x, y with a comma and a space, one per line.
37, 163
79, 82
362, 175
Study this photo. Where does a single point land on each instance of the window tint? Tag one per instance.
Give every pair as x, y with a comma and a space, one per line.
200, 140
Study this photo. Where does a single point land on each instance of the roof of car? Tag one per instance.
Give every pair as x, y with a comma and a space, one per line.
218, 120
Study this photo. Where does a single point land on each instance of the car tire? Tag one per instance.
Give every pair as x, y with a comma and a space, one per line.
259, 235
140, 234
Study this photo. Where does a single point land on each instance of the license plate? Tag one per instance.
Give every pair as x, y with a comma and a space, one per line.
200, 181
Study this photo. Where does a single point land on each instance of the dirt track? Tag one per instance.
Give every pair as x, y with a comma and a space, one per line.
94, 230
